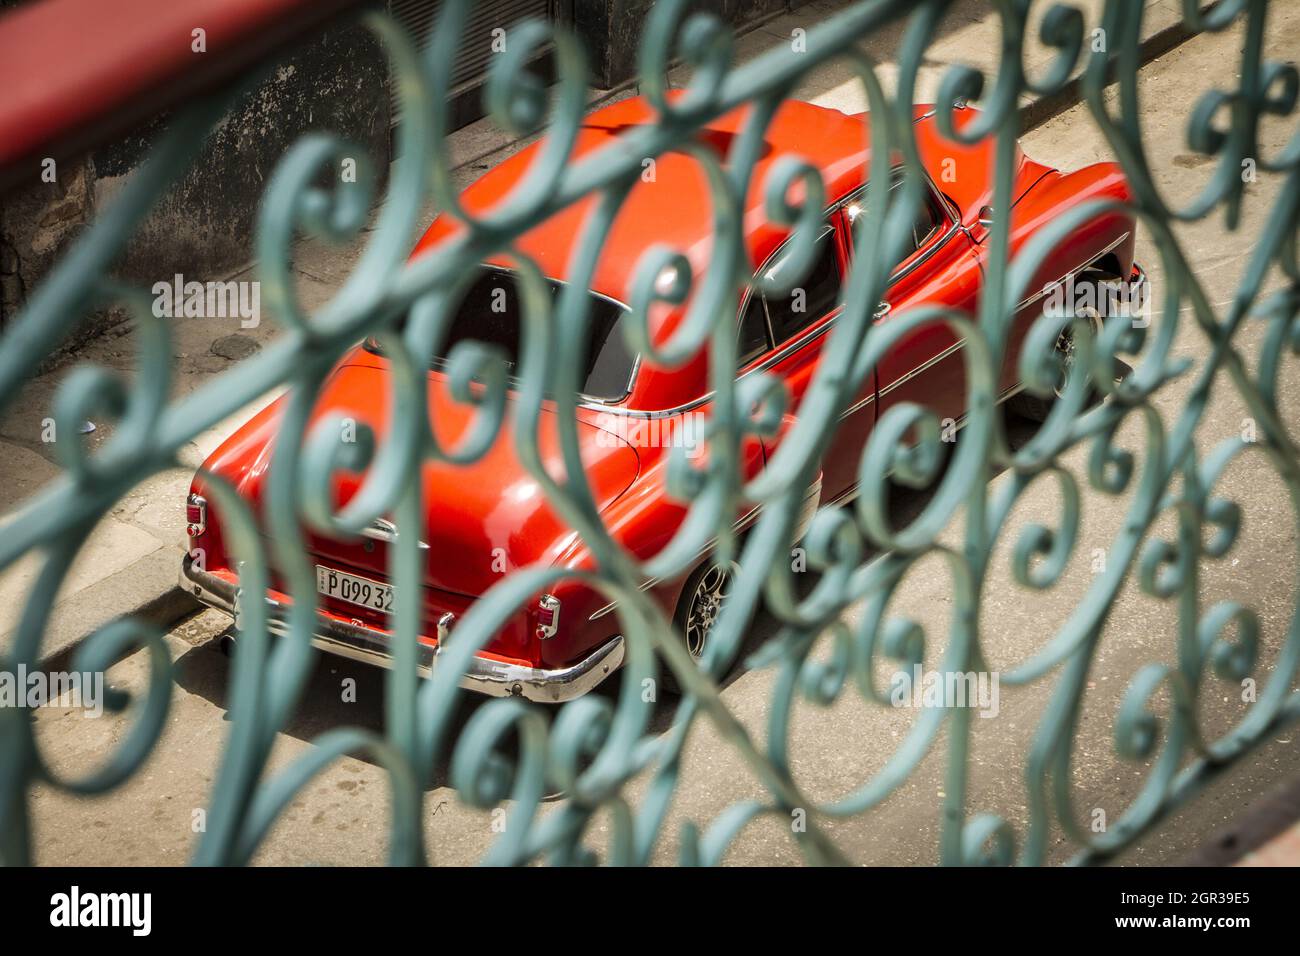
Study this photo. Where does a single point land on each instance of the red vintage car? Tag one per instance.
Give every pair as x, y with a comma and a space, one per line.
492, 514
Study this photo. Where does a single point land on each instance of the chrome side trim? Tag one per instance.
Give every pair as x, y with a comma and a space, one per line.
807, 509
848, 494
928, 363
645, 585
368, 645
960, 344
903, 380
744, 521
862, 404
813, 332
1042, 293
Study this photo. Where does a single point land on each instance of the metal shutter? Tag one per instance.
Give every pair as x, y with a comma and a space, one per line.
471, 67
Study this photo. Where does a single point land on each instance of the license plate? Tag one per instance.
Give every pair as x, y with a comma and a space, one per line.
355, 590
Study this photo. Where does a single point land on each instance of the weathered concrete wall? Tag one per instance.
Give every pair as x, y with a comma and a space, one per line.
38, 223
36, 226
203, 226
612, 29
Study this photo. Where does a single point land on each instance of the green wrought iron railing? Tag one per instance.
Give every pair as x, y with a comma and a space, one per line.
511, 755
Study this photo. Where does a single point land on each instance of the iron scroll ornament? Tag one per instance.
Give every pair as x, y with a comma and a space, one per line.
594, 748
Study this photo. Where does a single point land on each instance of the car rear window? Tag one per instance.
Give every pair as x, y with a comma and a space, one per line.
491, 311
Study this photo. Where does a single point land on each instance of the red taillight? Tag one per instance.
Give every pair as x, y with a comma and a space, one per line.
548, 616
196, 515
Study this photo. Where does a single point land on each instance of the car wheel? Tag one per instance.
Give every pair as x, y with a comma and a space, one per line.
1035, 407
698, 608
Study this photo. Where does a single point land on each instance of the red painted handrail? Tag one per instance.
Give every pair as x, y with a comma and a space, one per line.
76, 73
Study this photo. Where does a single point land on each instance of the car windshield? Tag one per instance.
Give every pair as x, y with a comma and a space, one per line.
491, 312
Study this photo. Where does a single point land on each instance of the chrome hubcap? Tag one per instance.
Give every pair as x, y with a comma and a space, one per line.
1065, 346
705, 606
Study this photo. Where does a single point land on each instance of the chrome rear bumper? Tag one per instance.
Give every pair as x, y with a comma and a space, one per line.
359, 642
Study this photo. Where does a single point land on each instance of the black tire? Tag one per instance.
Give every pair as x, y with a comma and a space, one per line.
690, 631
1036, 408
1032, 407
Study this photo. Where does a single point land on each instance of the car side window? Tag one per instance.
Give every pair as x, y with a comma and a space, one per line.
751, 336
491, 313
927, 220
810, 298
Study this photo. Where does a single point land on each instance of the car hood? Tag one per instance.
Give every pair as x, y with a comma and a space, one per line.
483, 519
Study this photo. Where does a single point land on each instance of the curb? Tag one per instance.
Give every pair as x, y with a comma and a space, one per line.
145, 589
1045, 108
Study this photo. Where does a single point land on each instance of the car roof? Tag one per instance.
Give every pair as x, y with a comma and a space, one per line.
672, 206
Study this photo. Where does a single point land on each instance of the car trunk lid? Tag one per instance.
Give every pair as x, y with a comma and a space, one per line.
481, 520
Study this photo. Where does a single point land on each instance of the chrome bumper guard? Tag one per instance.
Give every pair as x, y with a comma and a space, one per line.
369, 645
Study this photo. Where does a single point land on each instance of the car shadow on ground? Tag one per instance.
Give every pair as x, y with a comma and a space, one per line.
341, 692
